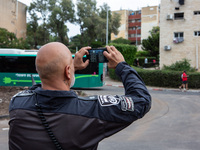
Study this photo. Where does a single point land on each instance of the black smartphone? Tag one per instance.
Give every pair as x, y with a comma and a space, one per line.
96, 55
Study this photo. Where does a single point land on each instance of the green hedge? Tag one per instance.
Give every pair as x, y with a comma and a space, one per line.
141, 61
161, 78
128, 51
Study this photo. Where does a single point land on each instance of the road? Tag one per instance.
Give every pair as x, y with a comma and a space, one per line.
172, 123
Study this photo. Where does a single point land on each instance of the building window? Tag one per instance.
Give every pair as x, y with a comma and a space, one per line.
131, 21
196, 12
138, 35
131, 28
131, 35
181, 2
134, 28
178, 16
178, 37
196, 33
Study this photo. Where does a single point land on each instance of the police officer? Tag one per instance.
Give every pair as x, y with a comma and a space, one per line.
50, 116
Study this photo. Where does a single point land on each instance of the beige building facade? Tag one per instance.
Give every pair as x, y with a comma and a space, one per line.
13, 17
123, 29
150, 18
180, 32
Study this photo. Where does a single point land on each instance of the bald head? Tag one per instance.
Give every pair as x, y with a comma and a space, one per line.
52, 59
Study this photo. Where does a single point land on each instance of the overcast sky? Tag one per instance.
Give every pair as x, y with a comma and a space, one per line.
114, 5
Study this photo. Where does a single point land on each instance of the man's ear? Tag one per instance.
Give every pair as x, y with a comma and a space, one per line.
67, 72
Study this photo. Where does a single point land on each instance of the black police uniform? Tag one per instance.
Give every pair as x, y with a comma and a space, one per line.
77, 123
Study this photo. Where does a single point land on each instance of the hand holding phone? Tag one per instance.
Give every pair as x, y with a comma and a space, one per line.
96, 55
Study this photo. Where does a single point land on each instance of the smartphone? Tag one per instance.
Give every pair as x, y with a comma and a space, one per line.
96, 55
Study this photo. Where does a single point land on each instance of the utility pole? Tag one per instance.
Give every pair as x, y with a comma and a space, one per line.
107, 27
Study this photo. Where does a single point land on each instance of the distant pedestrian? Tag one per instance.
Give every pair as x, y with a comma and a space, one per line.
137, 62
145, 62
184, 78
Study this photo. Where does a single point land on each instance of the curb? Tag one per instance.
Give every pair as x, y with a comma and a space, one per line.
121, 86
156, 89
4, 117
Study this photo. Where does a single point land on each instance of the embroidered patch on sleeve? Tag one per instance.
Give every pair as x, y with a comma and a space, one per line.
127, 103
108, 100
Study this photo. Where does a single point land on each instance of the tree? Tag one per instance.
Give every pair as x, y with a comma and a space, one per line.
35, 34
9, 40
88, 20
61, 12
75, 42
40, 8
113, 25
151, 44
92, 21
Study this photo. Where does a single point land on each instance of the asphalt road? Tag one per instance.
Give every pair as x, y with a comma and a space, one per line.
172, 123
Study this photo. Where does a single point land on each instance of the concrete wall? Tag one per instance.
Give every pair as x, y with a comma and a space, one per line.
150, 19
13, 17
123, 29
190, 47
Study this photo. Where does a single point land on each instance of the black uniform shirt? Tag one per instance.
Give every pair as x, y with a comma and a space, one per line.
77, 122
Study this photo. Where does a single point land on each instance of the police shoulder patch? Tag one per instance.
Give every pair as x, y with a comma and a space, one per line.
127, 103
108, 100
24, 93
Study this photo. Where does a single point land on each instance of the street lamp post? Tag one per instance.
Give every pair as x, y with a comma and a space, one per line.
136, 35
107, 26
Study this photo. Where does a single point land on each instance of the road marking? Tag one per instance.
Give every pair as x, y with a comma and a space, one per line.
5, 129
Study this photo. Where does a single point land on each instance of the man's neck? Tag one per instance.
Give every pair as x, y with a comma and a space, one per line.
55, 86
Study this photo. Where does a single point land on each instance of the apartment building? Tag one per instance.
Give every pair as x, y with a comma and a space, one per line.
130, 27
180, 32
150, 18
123, 29
135, 25
13, 17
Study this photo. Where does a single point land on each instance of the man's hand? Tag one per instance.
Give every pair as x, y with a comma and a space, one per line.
78, 59
114, 56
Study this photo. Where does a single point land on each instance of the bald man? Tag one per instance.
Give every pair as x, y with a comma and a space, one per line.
50, 116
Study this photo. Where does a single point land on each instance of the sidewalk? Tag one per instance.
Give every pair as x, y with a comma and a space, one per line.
110, 82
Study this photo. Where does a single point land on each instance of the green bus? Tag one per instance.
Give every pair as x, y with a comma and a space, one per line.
17, 68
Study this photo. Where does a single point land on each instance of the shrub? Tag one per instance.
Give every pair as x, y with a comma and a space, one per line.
96, 44
142, 54
128, 51
113, 75
180, 66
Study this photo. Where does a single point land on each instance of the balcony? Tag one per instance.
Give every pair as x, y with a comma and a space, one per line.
133, 24
134, 31
133, 39
137, 16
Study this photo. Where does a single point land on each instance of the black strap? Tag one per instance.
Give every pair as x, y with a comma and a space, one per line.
46, 125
